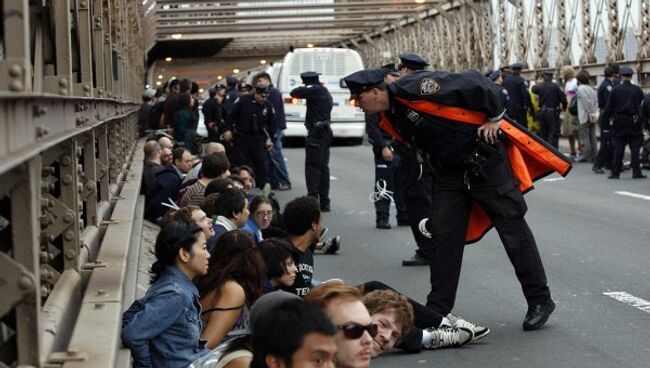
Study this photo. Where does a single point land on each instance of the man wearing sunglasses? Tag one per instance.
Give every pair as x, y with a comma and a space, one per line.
355, 330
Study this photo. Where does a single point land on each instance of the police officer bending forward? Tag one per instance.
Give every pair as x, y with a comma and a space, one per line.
319, 137
442, 114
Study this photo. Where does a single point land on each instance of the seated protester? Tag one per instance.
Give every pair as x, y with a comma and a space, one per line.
279, 342
166, 156
247, 173
231, 211
276, 229
210, 149
260, 218
218, 185
214, 166
232, 284
167, 184
238, 181
163, 328
303, 223
151, 166
343, 304
281, 271
192, 213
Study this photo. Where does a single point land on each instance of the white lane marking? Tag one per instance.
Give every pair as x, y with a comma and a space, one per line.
633, 195
553, 179
630, 300
333, 178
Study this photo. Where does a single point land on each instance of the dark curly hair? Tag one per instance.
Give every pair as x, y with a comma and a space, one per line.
300, 214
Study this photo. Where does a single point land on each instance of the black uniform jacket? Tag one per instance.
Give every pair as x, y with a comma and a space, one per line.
470, 99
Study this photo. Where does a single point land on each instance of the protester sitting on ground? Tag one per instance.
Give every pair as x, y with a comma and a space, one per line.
231, 211
166, 142
238, 181
261, 214
194, 213
210, 149
166, 156
232, 284
279, 342
151, 166
281, 270
218, 185
343, 304
247, 173
276, 229
174, 339
213, 166
167, 184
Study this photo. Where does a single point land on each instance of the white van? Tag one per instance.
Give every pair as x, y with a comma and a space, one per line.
333, 64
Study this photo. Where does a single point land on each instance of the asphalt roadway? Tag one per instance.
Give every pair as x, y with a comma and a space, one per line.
594, 238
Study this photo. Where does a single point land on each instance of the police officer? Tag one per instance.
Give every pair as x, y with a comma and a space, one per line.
388, 183
605, 152
417, 192
497, 77
212, 117
623, 106
471, 168
518, 92
231, 95
319, 137
251, 121
551, 101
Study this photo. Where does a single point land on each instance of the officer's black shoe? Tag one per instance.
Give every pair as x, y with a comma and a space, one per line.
403, 223
639, 176
598, 170
415, 260
382, 225
325, 208
538, 315
613, 177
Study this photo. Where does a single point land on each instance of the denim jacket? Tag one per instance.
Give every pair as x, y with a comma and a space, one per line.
163, 329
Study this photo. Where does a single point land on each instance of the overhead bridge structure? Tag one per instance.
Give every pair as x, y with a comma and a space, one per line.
71, 76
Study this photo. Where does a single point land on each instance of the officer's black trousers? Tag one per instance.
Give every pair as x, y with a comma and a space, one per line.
549, 123
251, 150
386, 176
627, 132
317, 158
518, 114
417, 195
505, 205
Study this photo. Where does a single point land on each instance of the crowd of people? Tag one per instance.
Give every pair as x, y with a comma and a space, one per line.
233, 282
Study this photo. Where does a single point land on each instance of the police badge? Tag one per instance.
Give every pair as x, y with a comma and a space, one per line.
428, 87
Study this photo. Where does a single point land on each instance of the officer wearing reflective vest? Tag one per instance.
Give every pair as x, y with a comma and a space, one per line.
454, 120
319, 137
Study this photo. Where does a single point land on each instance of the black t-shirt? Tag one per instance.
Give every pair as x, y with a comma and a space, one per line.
305, 263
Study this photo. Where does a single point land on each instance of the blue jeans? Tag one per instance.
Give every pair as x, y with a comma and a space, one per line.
277, 169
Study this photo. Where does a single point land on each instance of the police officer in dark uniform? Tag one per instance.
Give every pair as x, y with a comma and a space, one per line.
417, 192
251, 121
226, 107
518, 92
388, 183
497, 77
623, 106
212, 117
551, 101
319, 137
605, 152
468, 171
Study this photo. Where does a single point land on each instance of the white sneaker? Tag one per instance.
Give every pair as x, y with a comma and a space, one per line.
479, 331
445, 337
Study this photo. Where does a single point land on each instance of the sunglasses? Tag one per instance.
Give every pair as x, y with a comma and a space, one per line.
354, 331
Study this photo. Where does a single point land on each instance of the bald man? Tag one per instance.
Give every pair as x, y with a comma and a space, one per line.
151, 165
210, 148
165, 142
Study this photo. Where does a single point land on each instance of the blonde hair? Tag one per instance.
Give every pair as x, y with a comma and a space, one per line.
568, 72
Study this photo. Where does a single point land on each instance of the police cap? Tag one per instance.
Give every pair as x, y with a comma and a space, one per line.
149, 93
494, 75
626, 71
412, 61
212, 91
262, 89
309, 78
219, 86
391, 69
517, 66
364, 80
231, 81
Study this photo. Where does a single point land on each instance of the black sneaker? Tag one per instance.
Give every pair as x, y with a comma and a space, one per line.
537, 315
332, 246
382, 225
479, 331
415, 260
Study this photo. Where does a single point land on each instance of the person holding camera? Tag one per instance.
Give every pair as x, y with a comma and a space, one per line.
319, 137
453, 120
